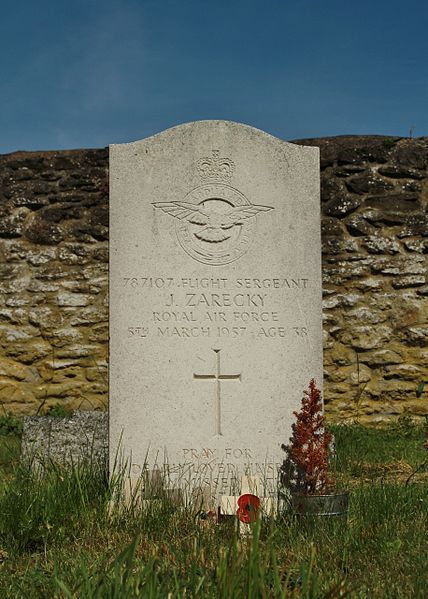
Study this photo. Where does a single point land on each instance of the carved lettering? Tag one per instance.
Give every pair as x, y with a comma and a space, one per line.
292, 283
164, 282
174, 316
256, 316
184, 331
222, 300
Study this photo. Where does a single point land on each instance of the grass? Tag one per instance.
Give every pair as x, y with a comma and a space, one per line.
57, 538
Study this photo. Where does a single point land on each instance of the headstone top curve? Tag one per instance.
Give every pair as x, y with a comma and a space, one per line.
205, 123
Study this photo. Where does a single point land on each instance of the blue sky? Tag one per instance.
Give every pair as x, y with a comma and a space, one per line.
86, 73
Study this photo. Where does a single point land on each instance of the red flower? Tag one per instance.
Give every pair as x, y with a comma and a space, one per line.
248, 506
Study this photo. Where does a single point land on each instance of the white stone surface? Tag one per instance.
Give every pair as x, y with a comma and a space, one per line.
215, 300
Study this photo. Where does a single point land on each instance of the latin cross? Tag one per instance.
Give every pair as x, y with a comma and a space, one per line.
218, 377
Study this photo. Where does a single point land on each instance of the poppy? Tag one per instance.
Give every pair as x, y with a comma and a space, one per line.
248, 506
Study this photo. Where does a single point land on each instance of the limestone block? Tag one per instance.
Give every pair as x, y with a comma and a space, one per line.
416, 406
415, 335
367, 182
28, 351
91, 315
54, 271
16, 370
415, 224
9, 333
409, 265
88, 401
46, 317
381, 357
341, 300
13, 225
65, 335
99, 333
359, 375
377, 244
40, 256
66, 298
398, 171
342, 205
416, 245
366, 337
79, 351
364, 314
82, 286
13, 316
74, 373
74, 254
413, 154
42, 286
407, 372
409, 281
39, 231
57, 363
396, 390
20, 283
14, 392
96, 373
341, 355
327, 341
358, 225
18, 300
64, 389
369, 284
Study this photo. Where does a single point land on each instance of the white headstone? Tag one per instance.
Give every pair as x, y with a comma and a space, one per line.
215, 301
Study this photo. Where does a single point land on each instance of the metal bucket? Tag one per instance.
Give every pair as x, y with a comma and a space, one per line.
321, 505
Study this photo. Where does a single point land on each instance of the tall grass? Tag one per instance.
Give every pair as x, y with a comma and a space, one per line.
58, 538
358, 446
36, 511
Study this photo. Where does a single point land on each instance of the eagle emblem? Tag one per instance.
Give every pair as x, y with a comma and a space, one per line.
212, 226
215, 223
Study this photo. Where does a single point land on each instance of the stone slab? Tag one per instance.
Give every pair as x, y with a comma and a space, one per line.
77, 439
215, 301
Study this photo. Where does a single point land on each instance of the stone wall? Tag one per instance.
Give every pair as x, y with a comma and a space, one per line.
53, 283
53, 280
374, 230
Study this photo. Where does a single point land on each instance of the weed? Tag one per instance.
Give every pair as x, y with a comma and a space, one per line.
10, 425
58, 411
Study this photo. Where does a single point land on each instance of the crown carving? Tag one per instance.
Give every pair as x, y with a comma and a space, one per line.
215, 168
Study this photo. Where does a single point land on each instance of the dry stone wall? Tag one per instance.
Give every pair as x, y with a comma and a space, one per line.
374, 230
53, 280
53, 277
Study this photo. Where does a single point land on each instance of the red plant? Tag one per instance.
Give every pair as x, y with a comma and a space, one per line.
305, 469
248, 506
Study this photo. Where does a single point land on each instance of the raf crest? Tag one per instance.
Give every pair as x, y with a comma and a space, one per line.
214, 222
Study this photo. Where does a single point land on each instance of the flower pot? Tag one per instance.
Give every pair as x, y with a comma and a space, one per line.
335, 504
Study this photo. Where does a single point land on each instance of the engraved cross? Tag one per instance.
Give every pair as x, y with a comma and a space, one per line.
218, 378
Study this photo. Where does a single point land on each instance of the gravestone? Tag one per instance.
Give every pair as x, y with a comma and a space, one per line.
215, 301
